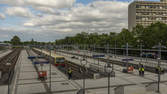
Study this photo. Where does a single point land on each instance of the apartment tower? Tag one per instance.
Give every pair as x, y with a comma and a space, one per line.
146, 12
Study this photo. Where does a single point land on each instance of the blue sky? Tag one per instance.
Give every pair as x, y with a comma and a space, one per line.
48, 20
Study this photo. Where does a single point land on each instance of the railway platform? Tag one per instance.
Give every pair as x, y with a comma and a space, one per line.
133, 83
27, 81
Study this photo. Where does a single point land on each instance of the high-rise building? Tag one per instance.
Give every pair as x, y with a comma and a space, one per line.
146, 12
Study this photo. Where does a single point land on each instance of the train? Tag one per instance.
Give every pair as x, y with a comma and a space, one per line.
59, 60
149, 55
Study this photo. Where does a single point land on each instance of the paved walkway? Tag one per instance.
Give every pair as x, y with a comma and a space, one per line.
133, 84
121, 79
27, 82
137, 60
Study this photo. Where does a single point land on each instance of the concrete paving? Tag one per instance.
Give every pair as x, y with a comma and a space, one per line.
27, 82
137, 60
122, 78
4, 89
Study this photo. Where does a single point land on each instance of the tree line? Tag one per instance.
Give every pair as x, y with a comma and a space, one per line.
147, 36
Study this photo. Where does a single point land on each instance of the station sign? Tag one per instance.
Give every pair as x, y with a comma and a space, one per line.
31, 57
98, 56
128, 59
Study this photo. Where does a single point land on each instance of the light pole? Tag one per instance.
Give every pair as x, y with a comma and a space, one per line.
140, 52
50, 85
41, 51
108, 66
159, 77
127, 55
127, 50
109, 75
159, 68
159, 58
84, 70
115, 48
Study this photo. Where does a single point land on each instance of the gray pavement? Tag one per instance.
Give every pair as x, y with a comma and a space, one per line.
137, 60
27, 82
4, 89
123, 79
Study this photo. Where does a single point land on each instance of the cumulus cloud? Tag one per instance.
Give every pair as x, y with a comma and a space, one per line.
45, 9
2, 16
19, 11
54, 22
13, 2
51, 3
99, 16
41, 3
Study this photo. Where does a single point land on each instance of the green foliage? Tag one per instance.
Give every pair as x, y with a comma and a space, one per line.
148, 36
15, 40
155, 33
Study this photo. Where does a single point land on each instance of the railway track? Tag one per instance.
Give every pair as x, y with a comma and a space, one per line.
147, 68
78, 71
7, 65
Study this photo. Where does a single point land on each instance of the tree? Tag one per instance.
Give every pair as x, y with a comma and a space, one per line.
148, 36
15, 40
125, 37
154, 34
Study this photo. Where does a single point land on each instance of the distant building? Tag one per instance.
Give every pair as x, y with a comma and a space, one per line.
5, 44
146, 12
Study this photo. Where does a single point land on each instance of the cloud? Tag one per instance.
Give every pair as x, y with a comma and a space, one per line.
47, 20
41, 3
29, 33
45, 9
53, 21
99, 16
19, 11
51, 3
2, 16
13, 2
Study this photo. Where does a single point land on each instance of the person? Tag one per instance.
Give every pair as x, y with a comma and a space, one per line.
130, 69
69, 73
142, 70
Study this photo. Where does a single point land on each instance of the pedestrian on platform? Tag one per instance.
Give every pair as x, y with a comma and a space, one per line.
142, 69
140, 72
69, 73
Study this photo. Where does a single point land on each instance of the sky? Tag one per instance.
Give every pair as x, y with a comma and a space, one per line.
48, 20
